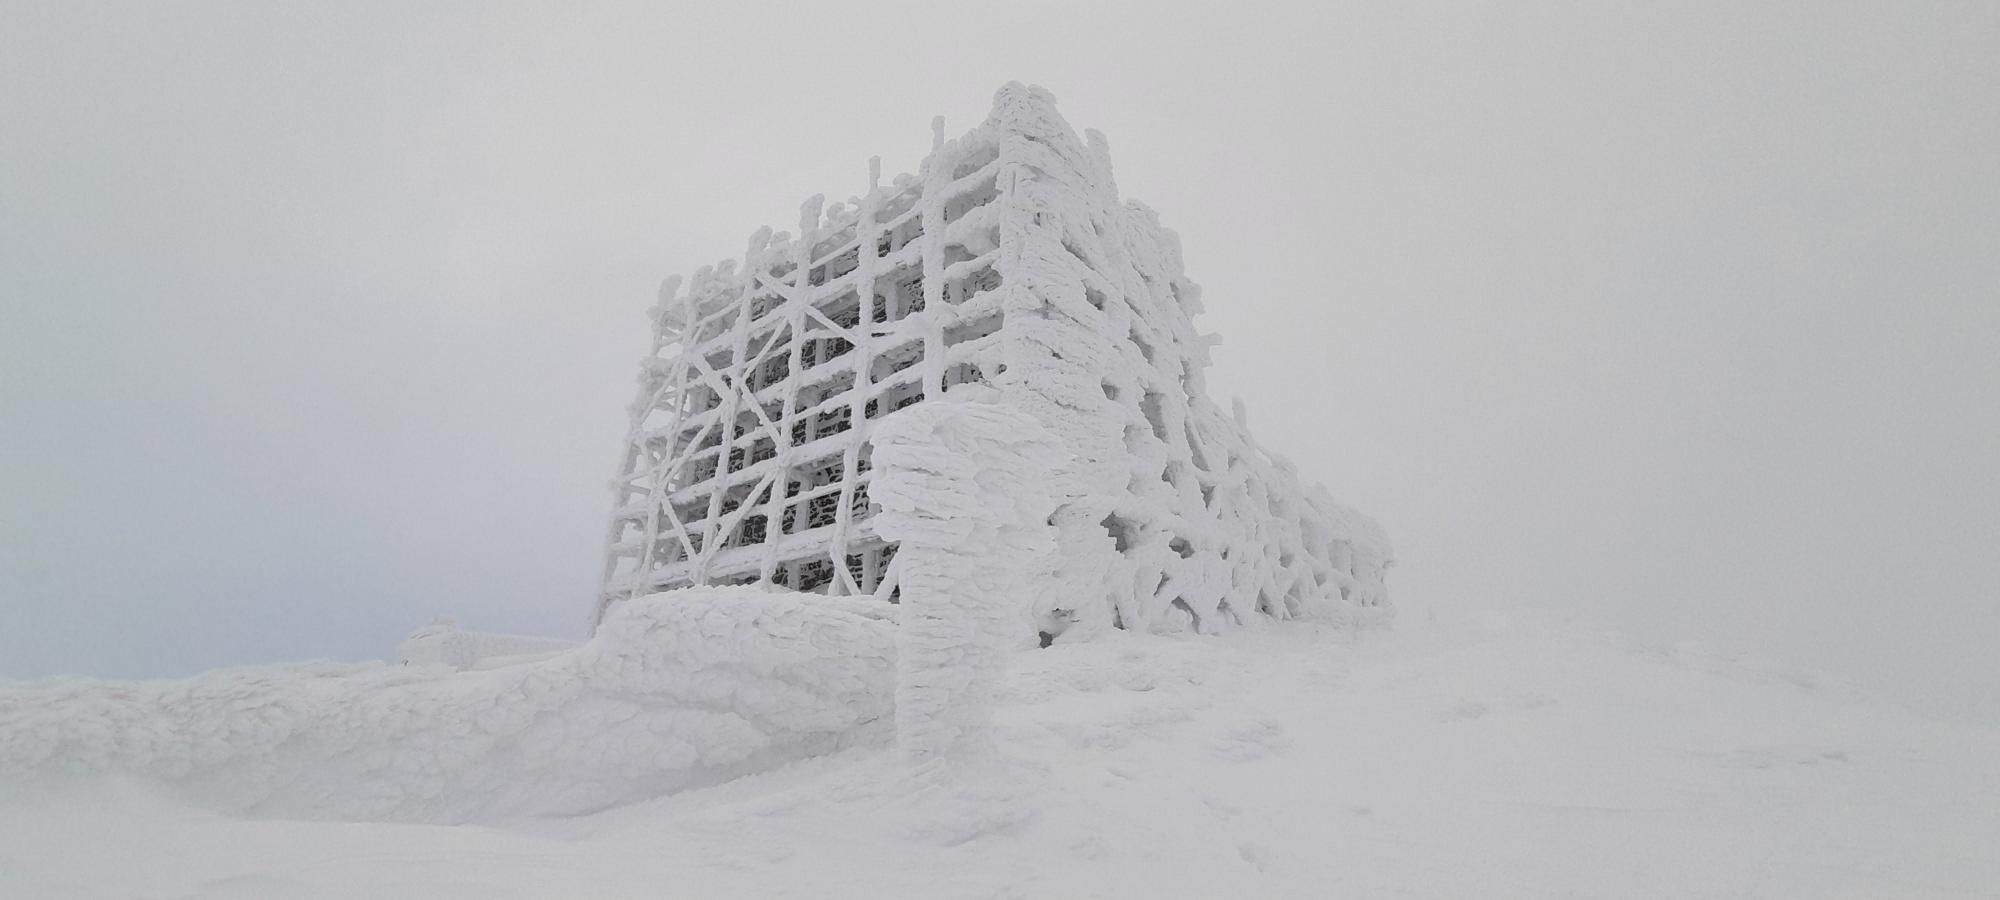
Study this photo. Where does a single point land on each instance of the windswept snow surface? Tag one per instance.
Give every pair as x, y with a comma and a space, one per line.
1294, 760
678, 689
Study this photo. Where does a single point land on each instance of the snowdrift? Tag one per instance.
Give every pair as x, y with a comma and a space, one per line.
676, 690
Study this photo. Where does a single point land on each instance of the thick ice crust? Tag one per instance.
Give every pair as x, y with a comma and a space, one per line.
966, 488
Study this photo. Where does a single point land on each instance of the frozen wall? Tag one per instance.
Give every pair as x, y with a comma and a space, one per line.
674, 691
964, 488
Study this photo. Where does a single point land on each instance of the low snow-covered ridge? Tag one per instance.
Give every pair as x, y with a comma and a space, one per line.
446, 643
675, 690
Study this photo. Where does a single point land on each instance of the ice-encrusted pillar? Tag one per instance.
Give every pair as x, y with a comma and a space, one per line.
967, 489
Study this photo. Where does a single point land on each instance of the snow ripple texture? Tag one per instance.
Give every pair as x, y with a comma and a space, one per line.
675, 691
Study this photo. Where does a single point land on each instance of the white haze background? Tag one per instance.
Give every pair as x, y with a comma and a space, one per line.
1684, 319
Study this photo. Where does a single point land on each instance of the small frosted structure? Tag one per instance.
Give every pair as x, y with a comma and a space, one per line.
1008, 262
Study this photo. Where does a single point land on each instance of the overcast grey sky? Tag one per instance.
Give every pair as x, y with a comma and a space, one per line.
318, 320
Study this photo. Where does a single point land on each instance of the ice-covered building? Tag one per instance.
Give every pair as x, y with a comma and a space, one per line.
1007, 261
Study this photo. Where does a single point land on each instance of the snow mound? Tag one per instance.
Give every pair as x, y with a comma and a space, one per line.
676, 690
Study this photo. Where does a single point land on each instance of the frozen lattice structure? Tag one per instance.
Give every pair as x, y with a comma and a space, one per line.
1008, 261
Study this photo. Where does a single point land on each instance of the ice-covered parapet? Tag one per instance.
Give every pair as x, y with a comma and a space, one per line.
1009, 263
674, 691
966, 485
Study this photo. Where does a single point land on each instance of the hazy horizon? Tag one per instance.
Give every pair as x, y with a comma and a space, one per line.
316, 324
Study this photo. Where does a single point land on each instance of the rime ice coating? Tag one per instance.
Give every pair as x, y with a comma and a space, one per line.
964, 487
1008, 261
671, 693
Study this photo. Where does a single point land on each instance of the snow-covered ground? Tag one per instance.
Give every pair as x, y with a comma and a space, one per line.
672, 692
1475, 759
